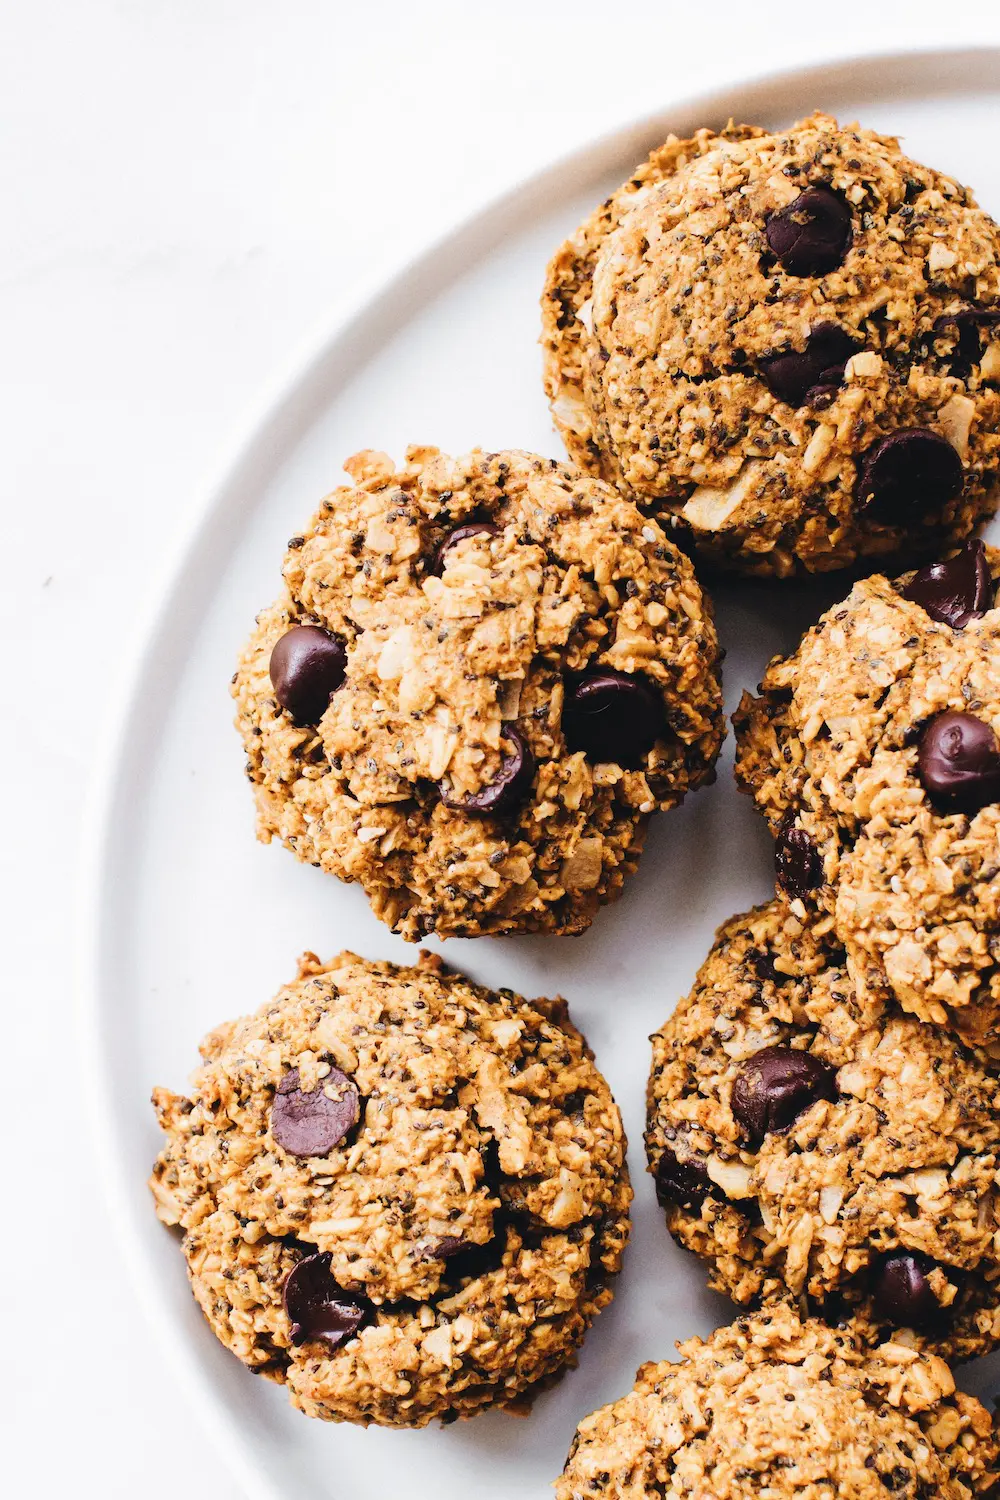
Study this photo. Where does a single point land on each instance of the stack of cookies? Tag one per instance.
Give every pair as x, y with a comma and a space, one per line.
406, 1197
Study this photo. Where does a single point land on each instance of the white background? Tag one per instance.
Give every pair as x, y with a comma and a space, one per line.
189, 189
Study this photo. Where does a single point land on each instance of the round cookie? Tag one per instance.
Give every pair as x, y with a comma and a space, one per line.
481, 677
817, 1144
787, 345
873, 752
775, 1407
402, 1195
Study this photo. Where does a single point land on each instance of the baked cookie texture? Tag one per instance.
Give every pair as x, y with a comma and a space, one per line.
814, 1143
401, 1195
756, 333
530, 671
774, 1406
838, 751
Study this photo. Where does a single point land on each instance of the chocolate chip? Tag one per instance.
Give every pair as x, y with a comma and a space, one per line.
775, 1086
763, 965
509, 787
910, 473
799, 377
813, 234
612, 716
472, 1261
316, 1306
307, 667
965, 328
958, 762
311, 1124
955, 591
901, 1292
473, 528
797, 865
445, 1248
685, 1184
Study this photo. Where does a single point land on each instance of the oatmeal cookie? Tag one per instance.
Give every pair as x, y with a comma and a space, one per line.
813, 1142
786, 345
774, 1406
402, 1195
481, 677
873, 752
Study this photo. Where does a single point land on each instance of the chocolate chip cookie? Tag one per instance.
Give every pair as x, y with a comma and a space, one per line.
873, 752
774, 1406
813, 1142
401, 1195
787, 345
481, 677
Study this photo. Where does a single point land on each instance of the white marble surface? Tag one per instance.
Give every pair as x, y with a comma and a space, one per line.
189, 188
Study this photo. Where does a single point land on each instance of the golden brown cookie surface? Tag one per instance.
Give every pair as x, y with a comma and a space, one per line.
873, 752
811, 1141
787, 344
480, 679
776, 1407
402, 1195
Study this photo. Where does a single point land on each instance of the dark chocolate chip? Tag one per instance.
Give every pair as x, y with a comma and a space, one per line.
316, 1306
822, 396
813, 234
955, 591
775, 1086
901, 1292
509, 787
449, 1245
795, 377
764, 968
445, 1248
473, 1261
797, 865
307, 667
472, 528
685, 1184
910, 473
311, 1124
964, 327
612, 716
958, 762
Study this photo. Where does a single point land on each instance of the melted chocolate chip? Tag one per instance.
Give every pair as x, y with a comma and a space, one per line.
307, 667
612, 716
813, 234
775, 1086
965, 328
910, 473
316, 1306
509, 787
955, 591
797, 866
901, 1292
958, 762
311, 1124
685, 1184
800, 377
472, 528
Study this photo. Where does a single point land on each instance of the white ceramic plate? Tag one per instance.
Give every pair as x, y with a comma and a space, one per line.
192, 921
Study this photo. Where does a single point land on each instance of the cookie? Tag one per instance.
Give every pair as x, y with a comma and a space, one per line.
813, 1142
873, 752
788, 346
774, 1406
402, 1195
481, 677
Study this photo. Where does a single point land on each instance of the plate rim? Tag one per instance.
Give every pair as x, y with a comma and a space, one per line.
287, 403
